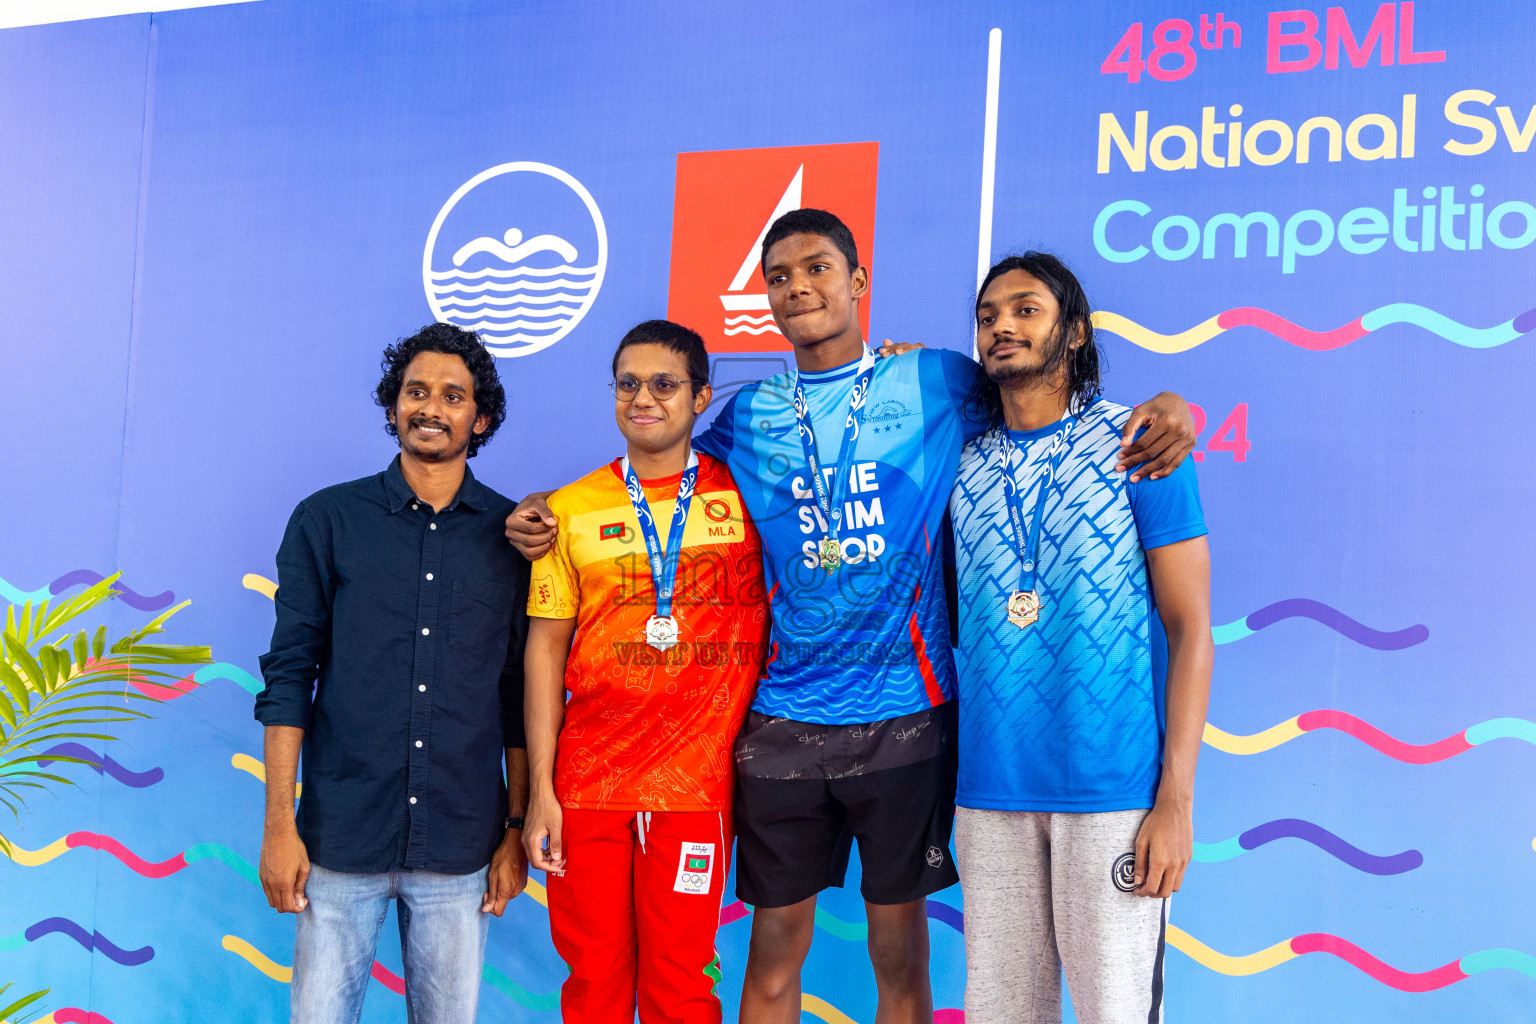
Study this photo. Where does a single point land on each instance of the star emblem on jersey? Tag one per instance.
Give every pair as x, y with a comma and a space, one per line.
1123, 873
935, 857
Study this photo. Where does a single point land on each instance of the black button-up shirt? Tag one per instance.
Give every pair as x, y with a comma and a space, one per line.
413, 622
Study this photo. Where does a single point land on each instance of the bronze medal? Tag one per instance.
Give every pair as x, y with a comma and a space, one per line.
1024, 608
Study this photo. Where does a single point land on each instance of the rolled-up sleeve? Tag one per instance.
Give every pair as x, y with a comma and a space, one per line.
301, 637
512, 731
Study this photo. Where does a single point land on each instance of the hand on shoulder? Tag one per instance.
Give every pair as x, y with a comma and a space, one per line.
531, 526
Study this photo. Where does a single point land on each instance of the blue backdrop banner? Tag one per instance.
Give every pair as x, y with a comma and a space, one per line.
1317, 224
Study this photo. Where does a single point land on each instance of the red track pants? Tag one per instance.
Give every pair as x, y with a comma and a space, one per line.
639, 920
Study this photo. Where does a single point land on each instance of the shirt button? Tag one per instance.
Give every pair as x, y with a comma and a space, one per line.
418, 743
413, 799
422, 687
414, 505
426, 632
432, 526
429, 575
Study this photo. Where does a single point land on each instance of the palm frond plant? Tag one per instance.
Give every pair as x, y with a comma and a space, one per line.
56, 684
8, 1014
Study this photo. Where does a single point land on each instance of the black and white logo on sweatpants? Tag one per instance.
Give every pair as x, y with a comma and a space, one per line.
1123, 874
935, 857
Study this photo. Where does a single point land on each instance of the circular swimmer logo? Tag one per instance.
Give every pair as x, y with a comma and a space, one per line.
517, 255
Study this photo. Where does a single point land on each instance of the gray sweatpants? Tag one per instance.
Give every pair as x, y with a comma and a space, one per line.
1045, 891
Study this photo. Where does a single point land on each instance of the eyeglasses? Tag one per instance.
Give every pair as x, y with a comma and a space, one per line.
663, 386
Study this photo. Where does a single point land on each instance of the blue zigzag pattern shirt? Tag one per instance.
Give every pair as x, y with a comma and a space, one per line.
1066, 715
870, 641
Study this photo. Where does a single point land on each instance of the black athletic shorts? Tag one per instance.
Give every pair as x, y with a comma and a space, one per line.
804, 792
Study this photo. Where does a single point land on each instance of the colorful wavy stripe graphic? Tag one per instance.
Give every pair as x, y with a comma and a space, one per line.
819, 1007
1317, 341
1279, 953
149, 869
219, 670
90, 940
1305, 608
165, 691
946, 914
392, 981
103, 764
538, 1002
1321, 942
1365, 732
126, 594
233, 673
248, 764
77, 577
851, 931
74, 1015
257, 959
1297, 828
260, 584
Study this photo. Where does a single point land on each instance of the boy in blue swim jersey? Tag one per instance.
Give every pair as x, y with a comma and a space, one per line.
1077, 742
845, 465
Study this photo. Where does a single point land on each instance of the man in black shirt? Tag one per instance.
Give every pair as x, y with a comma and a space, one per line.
399, 595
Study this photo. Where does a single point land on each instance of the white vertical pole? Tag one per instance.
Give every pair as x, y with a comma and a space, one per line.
989, 155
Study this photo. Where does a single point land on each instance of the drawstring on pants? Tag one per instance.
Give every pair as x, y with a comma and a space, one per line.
642, 822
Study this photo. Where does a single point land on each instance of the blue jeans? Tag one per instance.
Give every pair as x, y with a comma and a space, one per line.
442, 941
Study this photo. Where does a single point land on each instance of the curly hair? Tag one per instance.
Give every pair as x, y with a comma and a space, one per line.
489, 397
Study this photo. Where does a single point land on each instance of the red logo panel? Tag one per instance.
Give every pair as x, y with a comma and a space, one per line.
725, 201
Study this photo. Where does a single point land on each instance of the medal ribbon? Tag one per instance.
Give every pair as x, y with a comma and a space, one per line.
831, 504
1029, 544
663, 566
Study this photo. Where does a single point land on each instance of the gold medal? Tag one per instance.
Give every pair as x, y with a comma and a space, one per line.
831, 554
1024, 608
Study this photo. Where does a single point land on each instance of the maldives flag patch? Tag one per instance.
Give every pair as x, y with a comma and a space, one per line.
611, 531
695, 869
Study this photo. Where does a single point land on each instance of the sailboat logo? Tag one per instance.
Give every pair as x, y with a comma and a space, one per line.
744, 313
517, 255
724, 203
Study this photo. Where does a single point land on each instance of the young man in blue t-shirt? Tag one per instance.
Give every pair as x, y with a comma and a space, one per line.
1077, 762
845, 465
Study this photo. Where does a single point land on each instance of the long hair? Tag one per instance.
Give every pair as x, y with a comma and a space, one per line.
1073, 314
